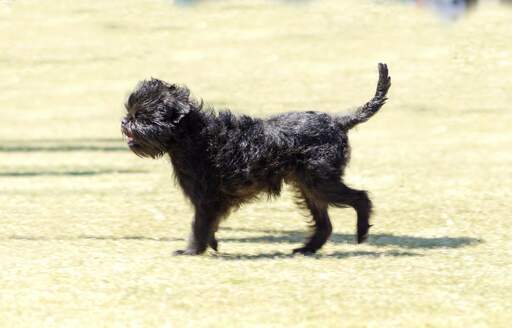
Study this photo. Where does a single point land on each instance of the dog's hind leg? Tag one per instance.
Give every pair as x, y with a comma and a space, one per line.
321, 224
337, 194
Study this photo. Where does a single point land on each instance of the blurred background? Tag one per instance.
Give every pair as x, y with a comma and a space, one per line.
76, 63
87, 227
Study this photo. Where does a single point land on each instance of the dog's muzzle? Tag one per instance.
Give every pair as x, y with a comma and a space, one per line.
127, 133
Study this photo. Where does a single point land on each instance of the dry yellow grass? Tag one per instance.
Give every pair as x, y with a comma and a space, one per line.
87, 229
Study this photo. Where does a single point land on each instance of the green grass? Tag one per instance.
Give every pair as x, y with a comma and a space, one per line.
87, 228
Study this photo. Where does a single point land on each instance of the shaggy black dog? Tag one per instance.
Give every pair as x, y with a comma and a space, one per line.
222, 160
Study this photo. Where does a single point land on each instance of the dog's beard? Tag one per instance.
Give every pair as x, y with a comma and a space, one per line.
143, 143
143, 149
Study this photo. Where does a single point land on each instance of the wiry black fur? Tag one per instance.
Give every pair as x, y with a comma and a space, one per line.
222, 160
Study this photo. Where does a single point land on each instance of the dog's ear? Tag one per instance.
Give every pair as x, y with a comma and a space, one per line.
179, 101
180, 113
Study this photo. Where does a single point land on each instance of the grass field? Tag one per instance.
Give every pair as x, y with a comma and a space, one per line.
87, 228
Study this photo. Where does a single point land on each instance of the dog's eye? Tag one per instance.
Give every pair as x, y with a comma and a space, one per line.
132, 114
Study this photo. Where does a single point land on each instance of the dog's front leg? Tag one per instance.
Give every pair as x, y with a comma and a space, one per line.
212, 242
202, 235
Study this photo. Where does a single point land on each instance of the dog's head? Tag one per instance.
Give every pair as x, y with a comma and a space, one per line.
154, 110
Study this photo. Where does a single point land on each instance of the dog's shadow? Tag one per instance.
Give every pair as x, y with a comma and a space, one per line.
406, 243
319, 255
384, 239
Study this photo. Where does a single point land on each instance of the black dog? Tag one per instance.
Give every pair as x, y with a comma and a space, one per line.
221, 160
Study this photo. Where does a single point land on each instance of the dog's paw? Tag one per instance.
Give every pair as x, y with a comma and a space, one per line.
213, 244
304, 251
362, 234
187, 252
362, 238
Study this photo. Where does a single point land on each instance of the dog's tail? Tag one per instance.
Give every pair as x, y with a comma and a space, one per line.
363, 113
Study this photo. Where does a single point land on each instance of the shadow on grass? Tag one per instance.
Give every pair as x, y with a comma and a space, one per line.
383, 239
68, 173
64, 145
61, 140
407, 242
141, 238
294, 237
221, 255
90, 237
60, 148
319, 255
